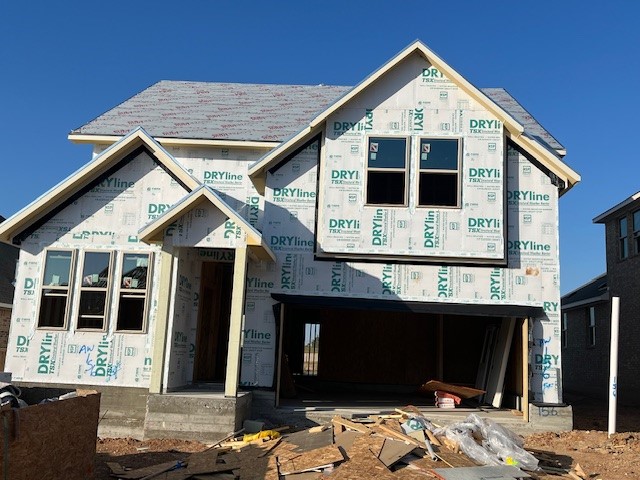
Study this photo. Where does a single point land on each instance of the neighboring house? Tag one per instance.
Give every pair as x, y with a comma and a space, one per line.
589, 321
8, 260
381, 235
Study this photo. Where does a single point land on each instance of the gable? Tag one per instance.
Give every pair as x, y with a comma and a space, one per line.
539, 143
30, 218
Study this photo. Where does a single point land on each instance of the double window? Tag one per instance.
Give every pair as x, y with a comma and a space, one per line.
437, 165
97, 288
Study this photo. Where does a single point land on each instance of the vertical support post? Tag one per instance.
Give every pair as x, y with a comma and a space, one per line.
613, 364
280, 342
525, 369
235, 325
162, 321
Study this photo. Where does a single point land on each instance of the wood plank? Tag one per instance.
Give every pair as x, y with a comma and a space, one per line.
319, 457
345, 439
455, 459
151, 470
358, 427
495, 383
463, 392
387, 431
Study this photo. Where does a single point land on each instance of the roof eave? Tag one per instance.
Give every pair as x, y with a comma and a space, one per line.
84, 138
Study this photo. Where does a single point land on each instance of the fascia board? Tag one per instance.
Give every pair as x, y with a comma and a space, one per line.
259, 168
87, 173
548, 159
603, 217
110, 139
599, 299
152, 232
289, 145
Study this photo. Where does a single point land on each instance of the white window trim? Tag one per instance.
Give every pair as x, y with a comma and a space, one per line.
118, 291
70, 290
406, 170
108, 289
416, 163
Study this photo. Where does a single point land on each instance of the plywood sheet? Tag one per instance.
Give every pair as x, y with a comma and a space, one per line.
312, 459
364, 466
49, 438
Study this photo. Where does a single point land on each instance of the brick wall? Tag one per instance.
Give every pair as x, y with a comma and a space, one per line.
624, 282
580, 360
5, 320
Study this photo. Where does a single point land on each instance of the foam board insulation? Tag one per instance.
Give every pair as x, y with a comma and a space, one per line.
107, 218
413, 101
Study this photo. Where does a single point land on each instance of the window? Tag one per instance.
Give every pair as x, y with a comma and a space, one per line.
439, 172
54, 299
591, 333
93, 290
132, 291
563, 332
387, 171
622, 239
636, 231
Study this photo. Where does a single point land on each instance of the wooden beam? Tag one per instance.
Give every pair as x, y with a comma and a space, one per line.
161, 321
235, 325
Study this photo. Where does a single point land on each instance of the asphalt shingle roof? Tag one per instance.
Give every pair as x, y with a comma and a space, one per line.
590, 290
247, 111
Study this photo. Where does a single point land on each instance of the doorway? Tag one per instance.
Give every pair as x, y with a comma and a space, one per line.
212, 334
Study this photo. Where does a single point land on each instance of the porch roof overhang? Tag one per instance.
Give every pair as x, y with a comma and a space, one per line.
447, 308
154, 231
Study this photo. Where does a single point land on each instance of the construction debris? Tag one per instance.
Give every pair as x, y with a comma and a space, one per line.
405, 446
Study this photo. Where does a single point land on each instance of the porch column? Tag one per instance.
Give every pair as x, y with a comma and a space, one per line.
235, 325
162, 321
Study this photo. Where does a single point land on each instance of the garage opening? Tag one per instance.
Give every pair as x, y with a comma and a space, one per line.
334, 354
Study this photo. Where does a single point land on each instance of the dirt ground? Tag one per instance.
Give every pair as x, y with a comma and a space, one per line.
588, 445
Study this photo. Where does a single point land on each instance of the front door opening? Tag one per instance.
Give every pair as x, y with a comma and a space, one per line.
212, 334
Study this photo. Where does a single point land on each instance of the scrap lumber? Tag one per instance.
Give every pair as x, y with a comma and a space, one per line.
393, 450
462, 392
364, 466
314, 459
365, 444
154, 470
387, 431
345, 439
358, 427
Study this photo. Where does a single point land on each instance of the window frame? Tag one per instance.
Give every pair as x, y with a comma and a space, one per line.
119, 291
69, 289
564, 330
458, 172
591, 327
406, 170
623, 245
635, 220
108, 289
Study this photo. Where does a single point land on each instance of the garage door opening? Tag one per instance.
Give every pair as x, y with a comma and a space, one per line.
344, 354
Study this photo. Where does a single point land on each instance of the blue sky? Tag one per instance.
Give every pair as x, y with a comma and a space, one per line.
574, 65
